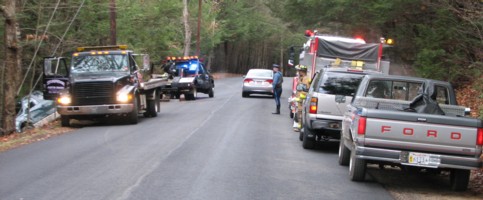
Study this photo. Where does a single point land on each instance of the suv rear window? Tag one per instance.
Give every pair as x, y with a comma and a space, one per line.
338, 83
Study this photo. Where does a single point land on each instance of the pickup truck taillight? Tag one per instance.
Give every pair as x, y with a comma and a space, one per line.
479, 137
313, 105
361, 130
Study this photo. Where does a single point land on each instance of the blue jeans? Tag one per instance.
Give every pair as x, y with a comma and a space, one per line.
277, 93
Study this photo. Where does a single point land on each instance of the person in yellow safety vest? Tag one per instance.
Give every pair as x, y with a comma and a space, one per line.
302, 89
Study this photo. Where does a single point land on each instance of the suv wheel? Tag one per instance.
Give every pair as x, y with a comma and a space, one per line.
344, 153
307, 143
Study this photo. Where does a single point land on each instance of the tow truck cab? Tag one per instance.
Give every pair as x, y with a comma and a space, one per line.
101, 82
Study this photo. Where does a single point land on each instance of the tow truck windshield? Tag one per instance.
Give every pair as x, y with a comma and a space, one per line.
189, 68
100, 63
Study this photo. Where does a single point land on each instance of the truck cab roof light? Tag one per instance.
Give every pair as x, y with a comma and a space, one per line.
100, 48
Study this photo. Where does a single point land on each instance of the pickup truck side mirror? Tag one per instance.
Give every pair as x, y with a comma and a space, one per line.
467, 112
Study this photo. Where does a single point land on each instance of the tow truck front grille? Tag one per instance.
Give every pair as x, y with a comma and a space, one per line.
93, 93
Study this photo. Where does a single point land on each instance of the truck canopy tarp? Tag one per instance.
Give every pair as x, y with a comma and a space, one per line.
348, 51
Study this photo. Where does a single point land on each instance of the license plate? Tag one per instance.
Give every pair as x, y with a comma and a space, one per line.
423, 159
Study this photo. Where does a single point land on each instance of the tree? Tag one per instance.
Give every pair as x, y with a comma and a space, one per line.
12, 65
187, 29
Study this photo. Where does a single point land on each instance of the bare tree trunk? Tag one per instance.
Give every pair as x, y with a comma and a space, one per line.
12, 69
187, 29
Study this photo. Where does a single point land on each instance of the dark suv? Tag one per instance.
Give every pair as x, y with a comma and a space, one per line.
330, 92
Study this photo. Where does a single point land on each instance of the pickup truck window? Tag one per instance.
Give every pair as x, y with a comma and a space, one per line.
399, 90
441, 94
339, 83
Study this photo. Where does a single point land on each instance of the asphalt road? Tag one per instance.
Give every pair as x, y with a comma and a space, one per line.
226, 147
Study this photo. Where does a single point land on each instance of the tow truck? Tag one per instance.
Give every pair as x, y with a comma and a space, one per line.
188, 76
103, 81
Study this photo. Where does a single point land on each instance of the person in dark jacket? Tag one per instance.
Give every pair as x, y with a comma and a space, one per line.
277, 86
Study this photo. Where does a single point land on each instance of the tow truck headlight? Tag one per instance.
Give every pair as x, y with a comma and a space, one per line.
64, 100
123, 97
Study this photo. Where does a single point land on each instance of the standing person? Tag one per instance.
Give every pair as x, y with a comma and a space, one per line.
302, 89
277, 86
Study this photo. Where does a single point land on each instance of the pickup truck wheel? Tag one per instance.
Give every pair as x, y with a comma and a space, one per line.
307, 143
459, 179
64, 121
133, 116
357, 168
344, 154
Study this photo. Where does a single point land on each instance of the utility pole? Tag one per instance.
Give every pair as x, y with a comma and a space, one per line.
199, 28
112, 15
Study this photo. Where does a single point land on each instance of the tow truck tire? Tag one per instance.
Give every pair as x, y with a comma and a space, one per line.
192, 95
307, 143
357, 168
459, 179
344, 154
211, 92
133, 116
152, 107
64, 121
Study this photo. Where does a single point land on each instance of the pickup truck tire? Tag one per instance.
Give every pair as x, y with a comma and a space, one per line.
64, 121
459, 179
133, 116
357, 168
307, 143
344, 154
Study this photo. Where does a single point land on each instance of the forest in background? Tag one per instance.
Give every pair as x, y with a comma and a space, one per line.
440, 39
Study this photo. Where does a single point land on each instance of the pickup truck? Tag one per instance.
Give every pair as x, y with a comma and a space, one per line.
413, 123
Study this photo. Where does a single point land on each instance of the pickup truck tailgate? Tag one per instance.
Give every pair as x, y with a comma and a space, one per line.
421, 132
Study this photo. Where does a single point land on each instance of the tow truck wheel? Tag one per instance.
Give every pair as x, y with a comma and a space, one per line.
344, 154
211, 92
152, 107
64, 121
459, 179
133, 116
357, 167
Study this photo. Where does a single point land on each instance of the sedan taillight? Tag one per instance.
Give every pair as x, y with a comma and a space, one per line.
313, 105
248, 80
